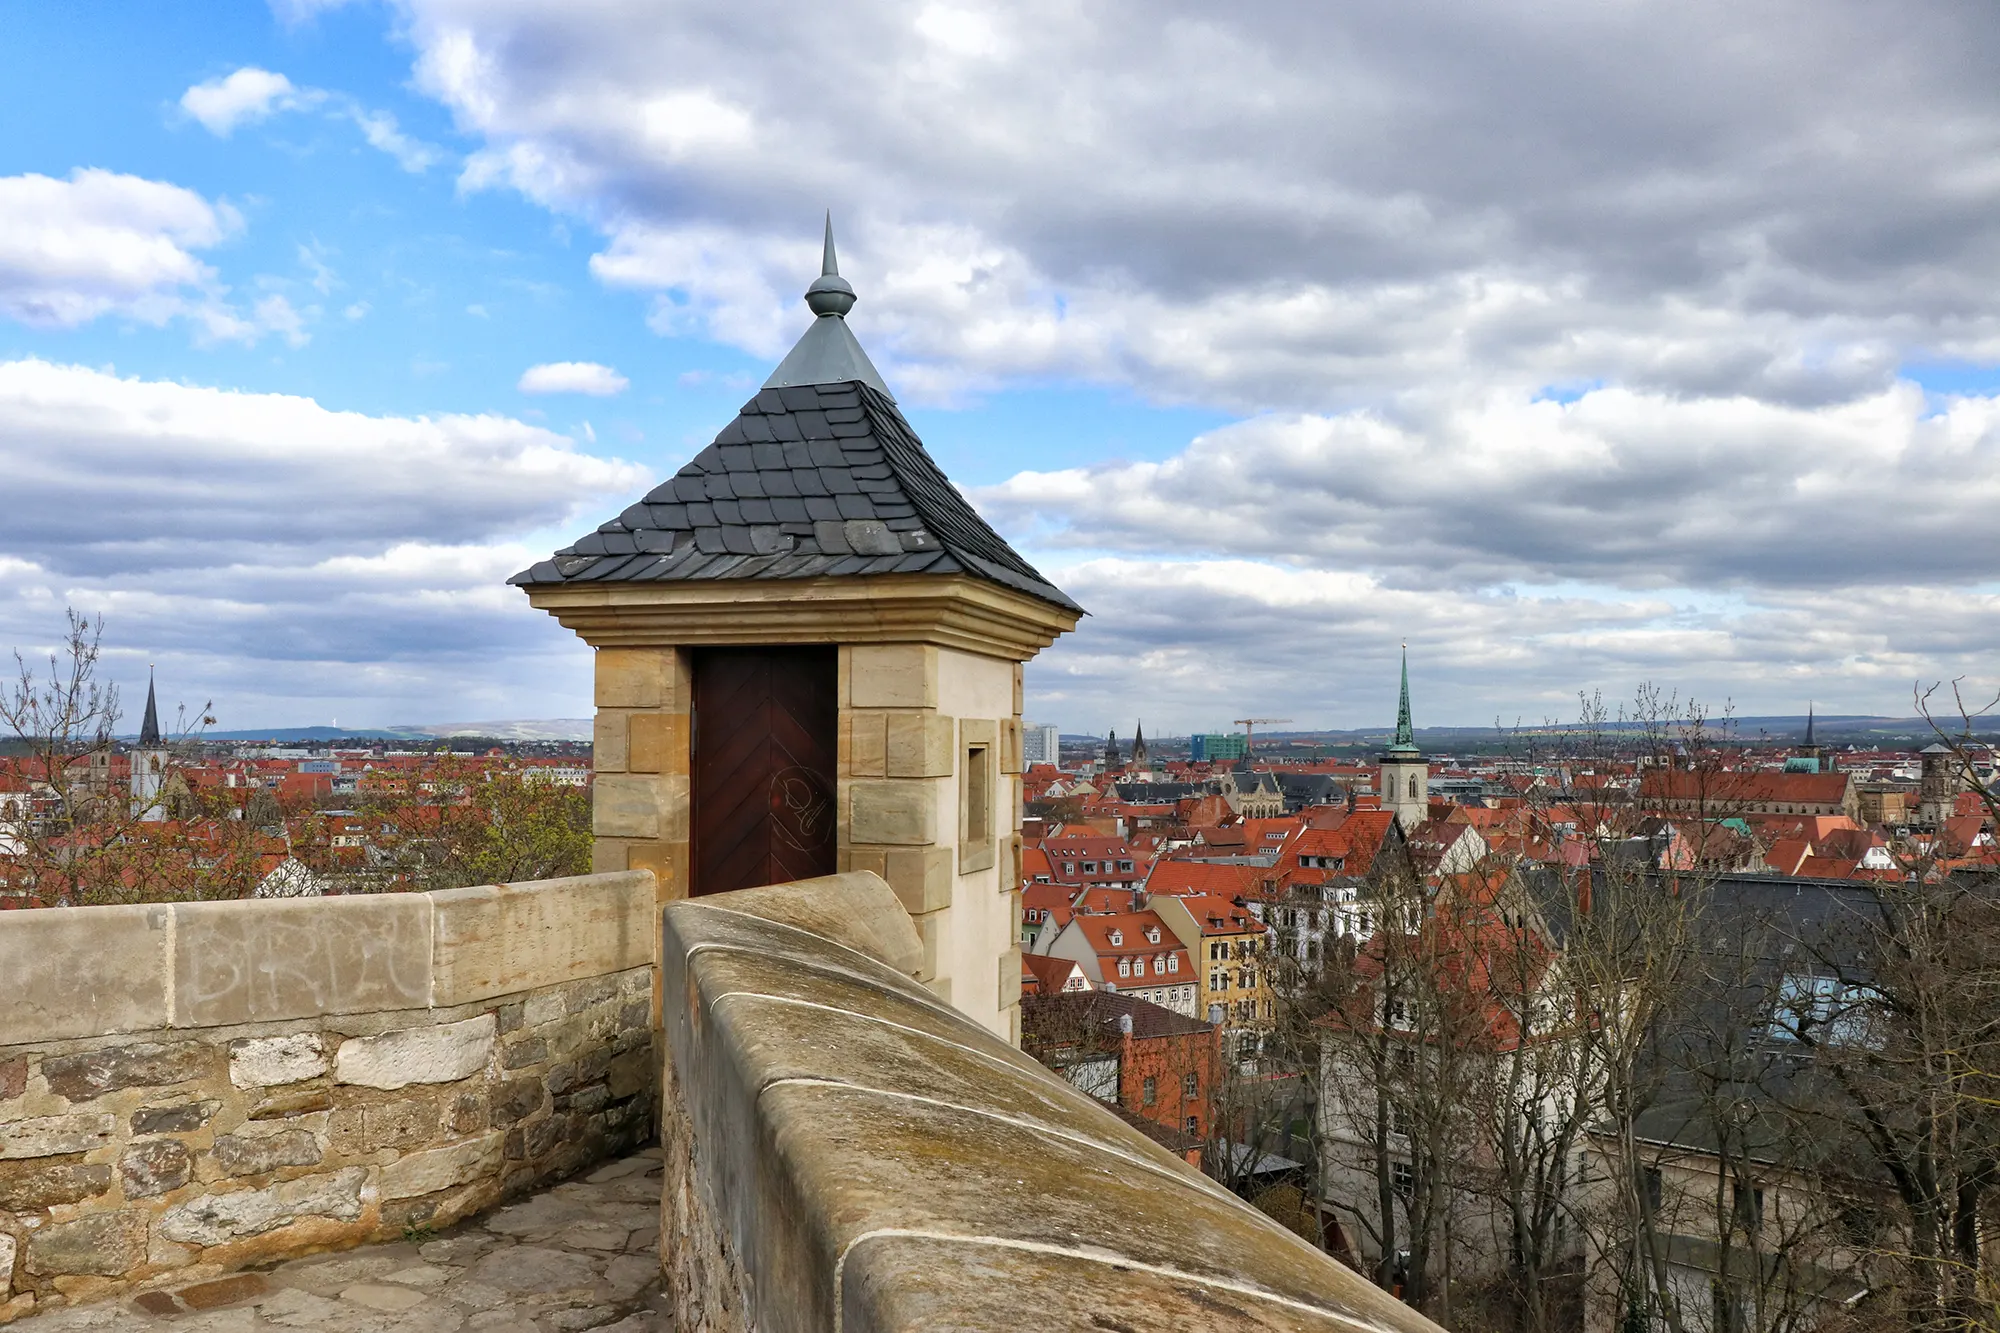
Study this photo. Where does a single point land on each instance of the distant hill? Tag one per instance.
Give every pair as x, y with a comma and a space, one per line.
544, 729
1828, 729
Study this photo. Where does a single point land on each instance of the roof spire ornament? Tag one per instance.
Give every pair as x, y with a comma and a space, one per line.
828, 353
830, 293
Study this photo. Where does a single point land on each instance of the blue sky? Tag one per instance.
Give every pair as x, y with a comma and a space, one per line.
1279, 338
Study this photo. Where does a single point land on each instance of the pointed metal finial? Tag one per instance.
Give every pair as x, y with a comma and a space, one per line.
830, 293
1406, 737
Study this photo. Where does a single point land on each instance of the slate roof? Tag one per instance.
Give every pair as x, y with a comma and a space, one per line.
809, 481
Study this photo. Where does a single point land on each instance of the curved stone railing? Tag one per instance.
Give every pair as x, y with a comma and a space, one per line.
190, 1088
844, 1151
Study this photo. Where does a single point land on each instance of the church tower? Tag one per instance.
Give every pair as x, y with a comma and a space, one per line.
1141, 760
149, 763
1405, 783
1111, 753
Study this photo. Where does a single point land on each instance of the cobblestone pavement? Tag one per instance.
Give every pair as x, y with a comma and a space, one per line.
580, 1255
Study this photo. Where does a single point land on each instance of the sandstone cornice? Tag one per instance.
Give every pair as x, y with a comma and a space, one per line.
955, 612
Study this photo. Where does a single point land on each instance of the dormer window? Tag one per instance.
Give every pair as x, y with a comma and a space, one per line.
1152, 934
1117, 938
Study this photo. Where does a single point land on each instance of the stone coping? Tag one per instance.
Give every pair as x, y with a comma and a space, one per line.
844, 1151
97, 971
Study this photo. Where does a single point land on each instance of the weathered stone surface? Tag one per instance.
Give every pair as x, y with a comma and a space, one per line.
534, 1268
634, 677
223, 1291
441, 1054
54, 1135
440, 1168
13, 1082
253, 1155
104, 1245
902, 812
143, 1064
893, 675
218, 1218
512, 938
626, 805
84, 973
262, 1062
516, 1099
403, 1122
271, 960
32, 1183
8, 1249
383, 1296
295, 1100
156, 1166
184, 1118
921, 745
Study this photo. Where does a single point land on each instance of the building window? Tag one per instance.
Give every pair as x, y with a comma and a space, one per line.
1192, 1125
1125, 865
1117, 938
1749, 1208
1159, 965
1190, 1086
1124, 967
1173, 962
975, 800
1149, 1091
1090, 867
1402, 1179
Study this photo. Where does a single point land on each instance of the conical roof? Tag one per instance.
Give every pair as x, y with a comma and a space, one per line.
149, 728
818, 476
1406, 736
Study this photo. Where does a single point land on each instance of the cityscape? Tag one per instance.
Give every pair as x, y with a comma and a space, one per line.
1291, 669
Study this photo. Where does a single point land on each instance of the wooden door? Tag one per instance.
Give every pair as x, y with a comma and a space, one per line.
765, 727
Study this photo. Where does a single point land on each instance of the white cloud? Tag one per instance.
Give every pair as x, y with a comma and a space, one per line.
1271, 206
248, 95
101, 242
285, 559
573, 377
251, 94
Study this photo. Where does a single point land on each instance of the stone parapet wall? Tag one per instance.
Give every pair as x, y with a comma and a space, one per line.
188, 1089
844, 1150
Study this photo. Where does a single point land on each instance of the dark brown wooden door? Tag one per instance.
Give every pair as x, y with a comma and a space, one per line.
765, 732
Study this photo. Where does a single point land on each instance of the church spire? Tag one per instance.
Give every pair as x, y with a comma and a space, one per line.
1406, 736
149, 729
1809, 724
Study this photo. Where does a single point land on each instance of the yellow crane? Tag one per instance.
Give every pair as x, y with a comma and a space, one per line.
1249, 725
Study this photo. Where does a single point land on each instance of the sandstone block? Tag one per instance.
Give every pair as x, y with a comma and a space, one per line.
104, 1245
665, 860
922, 878
607, 857
443, 1053
920, 745
633, 677
626, 805
441, 1168
546, 1007
217, 1218
182, 1119
1010, 745
406, 1122
1010, 978
867, 738
893, 675
630, 1072
658, 743
263, 1062
265, 961
13, 1082
91, 1074
290, 1101
900, 813
157, 1166
54, 1135
253, 1155
7, 1252
26, 1186
505, 939
608, 743
84, 974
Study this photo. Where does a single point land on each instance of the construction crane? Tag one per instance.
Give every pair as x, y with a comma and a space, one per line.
1249, 725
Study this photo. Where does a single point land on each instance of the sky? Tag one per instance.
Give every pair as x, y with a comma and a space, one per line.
1575, 346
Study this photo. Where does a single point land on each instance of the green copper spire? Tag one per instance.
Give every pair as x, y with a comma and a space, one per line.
1406, 737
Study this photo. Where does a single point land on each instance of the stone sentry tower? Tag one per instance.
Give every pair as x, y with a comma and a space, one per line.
1405, 774
809, 653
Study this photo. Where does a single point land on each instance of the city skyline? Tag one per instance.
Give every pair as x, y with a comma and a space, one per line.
1275, 339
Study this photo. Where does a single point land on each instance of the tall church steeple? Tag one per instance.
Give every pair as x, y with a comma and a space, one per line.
149, 761
1405, 781
1140, 756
